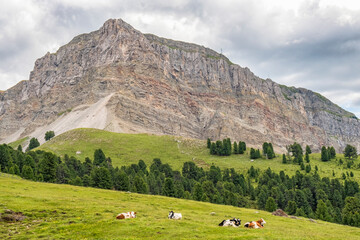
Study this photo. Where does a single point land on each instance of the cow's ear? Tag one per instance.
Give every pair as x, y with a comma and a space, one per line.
134, 212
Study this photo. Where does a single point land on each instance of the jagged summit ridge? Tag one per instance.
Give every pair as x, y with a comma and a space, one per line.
162, 86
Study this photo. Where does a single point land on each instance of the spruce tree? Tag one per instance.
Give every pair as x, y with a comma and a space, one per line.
99, 157
307, 158
324, 154
168, 189
236, 149
208, 143
291, 207
27, 172
101, 178
350, 152
213, 149
308, 150
34, 143
252, 153
332, 152
284, 159
265, 149
197, 192
270, 205
49, 135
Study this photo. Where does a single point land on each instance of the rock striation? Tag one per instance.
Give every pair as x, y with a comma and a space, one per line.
155, 85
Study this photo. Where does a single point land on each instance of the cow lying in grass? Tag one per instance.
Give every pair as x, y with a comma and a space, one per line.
173, 215
126, 215
255, 224
235, 222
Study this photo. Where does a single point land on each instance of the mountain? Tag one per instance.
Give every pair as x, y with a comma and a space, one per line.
121, 80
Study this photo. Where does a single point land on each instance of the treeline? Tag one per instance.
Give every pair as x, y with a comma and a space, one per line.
224, 147
305, 195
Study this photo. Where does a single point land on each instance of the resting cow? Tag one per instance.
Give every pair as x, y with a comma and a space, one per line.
235, 222
255, 224
173, 215
126, 215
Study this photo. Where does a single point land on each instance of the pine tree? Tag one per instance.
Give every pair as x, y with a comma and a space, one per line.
332, 152
302, 166
5, 157
99, 157
213, 149
27, 172
236, 149
34, 143
270, 205
139, 184
77, 181
101, 178
308, 168
121, 181
261, 200
265, 149
252, 153
49, 135
307, 158
324, 154
198, 192
47, 167
208, 143
291, 207
168, 188
19, 148
284, 159
350, 152
322, 211
308, 150
257, 154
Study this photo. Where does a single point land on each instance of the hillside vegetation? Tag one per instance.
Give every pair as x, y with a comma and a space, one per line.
126, 149
57, 211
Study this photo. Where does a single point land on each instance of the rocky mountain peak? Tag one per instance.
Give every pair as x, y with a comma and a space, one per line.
144, 83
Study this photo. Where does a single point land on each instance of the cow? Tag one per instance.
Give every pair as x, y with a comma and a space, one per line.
255, 224
126, 215
235, 222
173, 215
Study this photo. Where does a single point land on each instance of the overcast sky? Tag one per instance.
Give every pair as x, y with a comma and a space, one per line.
313, 44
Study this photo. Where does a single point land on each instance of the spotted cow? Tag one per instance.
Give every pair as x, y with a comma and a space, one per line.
255, 224
126, 215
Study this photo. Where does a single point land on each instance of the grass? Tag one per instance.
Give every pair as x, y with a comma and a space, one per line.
125, 149
67, 212
21, 142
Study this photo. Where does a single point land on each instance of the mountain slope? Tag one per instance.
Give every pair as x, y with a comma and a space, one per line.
127, 149
69, 212
150, 84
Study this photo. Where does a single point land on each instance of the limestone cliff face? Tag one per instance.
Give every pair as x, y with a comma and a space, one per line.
163, 86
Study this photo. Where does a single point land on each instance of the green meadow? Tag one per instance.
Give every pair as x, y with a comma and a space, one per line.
125, 149
57, 211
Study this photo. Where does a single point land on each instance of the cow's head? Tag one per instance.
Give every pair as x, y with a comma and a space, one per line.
262, 222
171, 214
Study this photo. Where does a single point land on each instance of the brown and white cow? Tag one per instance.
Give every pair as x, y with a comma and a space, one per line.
126, 215
255, 224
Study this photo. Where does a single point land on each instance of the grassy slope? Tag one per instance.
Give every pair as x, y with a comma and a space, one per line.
125, 149
68, 212
21, 142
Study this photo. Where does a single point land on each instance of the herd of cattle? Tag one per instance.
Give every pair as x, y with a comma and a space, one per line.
235, 222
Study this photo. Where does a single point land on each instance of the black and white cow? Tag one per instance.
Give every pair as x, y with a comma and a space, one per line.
173, 215
235, 222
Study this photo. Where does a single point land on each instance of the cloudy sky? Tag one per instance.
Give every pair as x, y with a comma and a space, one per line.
304, 43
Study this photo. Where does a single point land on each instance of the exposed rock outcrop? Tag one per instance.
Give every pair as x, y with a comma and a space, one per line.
161, 86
